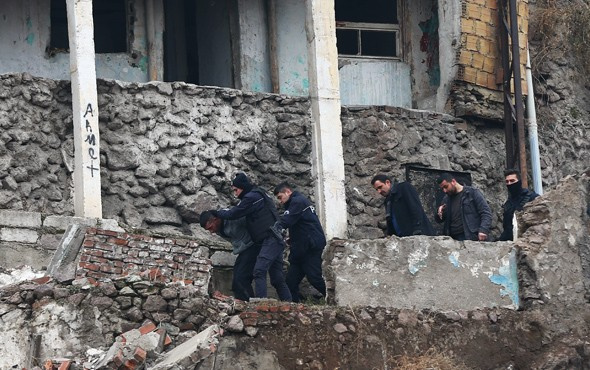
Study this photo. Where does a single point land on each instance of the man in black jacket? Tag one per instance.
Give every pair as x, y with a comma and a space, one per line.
517, 198
261, 214
464, 211
235, 232
404, 212
306, 237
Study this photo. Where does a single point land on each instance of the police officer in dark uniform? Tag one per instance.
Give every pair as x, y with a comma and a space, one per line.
261, 214
306, 238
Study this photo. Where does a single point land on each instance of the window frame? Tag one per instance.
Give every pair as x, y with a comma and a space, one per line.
395, 28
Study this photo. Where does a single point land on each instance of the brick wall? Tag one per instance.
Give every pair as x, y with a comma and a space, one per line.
109, 254
479, 58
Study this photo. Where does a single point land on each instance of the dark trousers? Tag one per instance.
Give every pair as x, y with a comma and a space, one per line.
270, 260
309, 266
243, 273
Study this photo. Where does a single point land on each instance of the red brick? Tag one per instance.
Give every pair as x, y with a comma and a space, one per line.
42, 280
88, 243
94, 252
250, 322
117, 241
140, 354
167, 340
107, 232
263, 308
148, 327
220, 296
91, 231
118, 358
65, 365
89, 266
274, 308
84, 258
130, 365
285, 308
105, 246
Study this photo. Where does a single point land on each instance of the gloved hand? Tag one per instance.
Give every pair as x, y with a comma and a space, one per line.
278, 230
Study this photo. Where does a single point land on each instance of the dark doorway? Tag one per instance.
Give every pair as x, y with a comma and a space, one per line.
197, 44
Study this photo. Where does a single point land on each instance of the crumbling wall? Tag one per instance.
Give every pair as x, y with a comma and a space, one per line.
168, 150
555, 246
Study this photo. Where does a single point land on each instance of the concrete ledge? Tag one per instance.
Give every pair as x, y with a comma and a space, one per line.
62, 222
422, 272
19, 235
20, 219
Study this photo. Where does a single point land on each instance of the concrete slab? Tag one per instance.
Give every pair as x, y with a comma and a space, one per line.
12, 255
8, 234
191, 352
62, 222
65, 260
423, 273
20, 219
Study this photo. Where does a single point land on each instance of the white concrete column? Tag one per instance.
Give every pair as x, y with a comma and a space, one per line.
324, 91
87, 196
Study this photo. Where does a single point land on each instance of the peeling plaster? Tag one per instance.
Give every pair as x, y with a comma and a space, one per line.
508, 278
417, 260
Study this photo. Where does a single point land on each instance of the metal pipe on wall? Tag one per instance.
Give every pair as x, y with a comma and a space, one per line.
532, 125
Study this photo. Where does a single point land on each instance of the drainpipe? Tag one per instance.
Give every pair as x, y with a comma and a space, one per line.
532, 120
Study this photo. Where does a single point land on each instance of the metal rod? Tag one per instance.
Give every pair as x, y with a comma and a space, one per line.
533, 137
518, 93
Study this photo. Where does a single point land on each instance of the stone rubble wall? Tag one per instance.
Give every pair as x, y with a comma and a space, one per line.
168, 150
385, 140
554, 263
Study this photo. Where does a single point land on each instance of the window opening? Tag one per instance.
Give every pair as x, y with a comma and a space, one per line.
366, 31
110, 26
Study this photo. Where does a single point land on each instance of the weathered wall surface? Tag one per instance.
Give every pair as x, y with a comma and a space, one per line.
555, 254
385, 140
25, 43
169, 150
551, 332
421, 272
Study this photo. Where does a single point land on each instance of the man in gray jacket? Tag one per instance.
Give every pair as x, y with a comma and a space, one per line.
235, 232
464, 211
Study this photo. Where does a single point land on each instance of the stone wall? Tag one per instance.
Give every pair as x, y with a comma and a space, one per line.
169, 150
386, 140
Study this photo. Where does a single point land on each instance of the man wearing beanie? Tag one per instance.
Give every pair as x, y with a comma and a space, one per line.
260, 213
517, 198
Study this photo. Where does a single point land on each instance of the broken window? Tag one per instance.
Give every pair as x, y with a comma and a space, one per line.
110, 26
364, 30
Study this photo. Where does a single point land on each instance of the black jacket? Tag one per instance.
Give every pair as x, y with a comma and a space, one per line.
403, 202
305, 229
259, 210
514, 204
477, 216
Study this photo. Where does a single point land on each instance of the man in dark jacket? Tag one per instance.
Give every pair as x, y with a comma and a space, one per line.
464, 211
235, 232
517, 198
306, 237
404, 212
261, 214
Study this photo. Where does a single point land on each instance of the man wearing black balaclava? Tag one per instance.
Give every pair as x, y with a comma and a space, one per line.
517, 198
